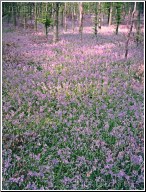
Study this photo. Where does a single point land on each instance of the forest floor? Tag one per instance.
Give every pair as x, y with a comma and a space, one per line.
72, 111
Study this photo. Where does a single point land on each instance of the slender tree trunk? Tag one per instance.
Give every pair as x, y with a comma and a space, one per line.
3, 9
65, 17
9, 14
81, 19
138, 25
39, 10
96, 19
46, 27
52, 12
56, 14
118, 17
18, 11
24, 15
110, 15
35, 12
62, 17
99, 15
73, 17
129, 13
128, 36
42, 9
124, 11
30, 12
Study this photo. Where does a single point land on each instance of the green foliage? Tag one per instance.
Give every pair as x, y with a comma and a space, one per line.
39, 68
46, 21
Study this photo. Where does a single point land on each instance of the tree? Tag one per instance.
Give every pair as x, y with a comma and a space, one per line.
65, 17
62, 16
81, 19
73, 17
118, 16
110, 14
56, 14
95, 19
138, 24
99, 15
128, 36
35, 12
24, 14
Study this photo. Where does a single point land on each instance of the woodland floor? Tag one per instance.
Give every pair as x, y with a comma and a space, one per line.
72, 111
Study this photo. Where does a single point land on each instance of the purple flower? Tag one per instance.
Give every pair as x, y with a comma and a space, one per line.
121, 174
55, 161
136, 159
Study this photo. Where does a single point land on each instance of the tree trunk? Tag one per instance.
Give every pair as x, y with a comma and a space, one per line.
65, 17
35, 16
110, 15
56, 14
96, 19
62, 16
73, 17
46, 27
81, 19
138, 25
99, 15
9, 14
24, 16
128, 36
30, 12
118, 16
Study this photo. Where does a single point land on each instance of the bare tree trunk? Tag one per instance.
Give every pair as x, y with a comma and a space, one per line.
96, 19
62, 17
128, 36
46, 27
42, 9
30, 12
99, 15
124, 11
118, 17
65, 17
81, 19
56, 14
73, 17
24, 15
35, 16
9, 14
129, 14
138, 25
110, 15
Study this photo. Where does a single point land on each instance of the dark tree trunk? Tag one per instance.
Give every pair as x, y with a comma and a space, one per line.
138, 25
96, 19
62, 17
118, 16
46, 27
128, 36
35, 12
99, 15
